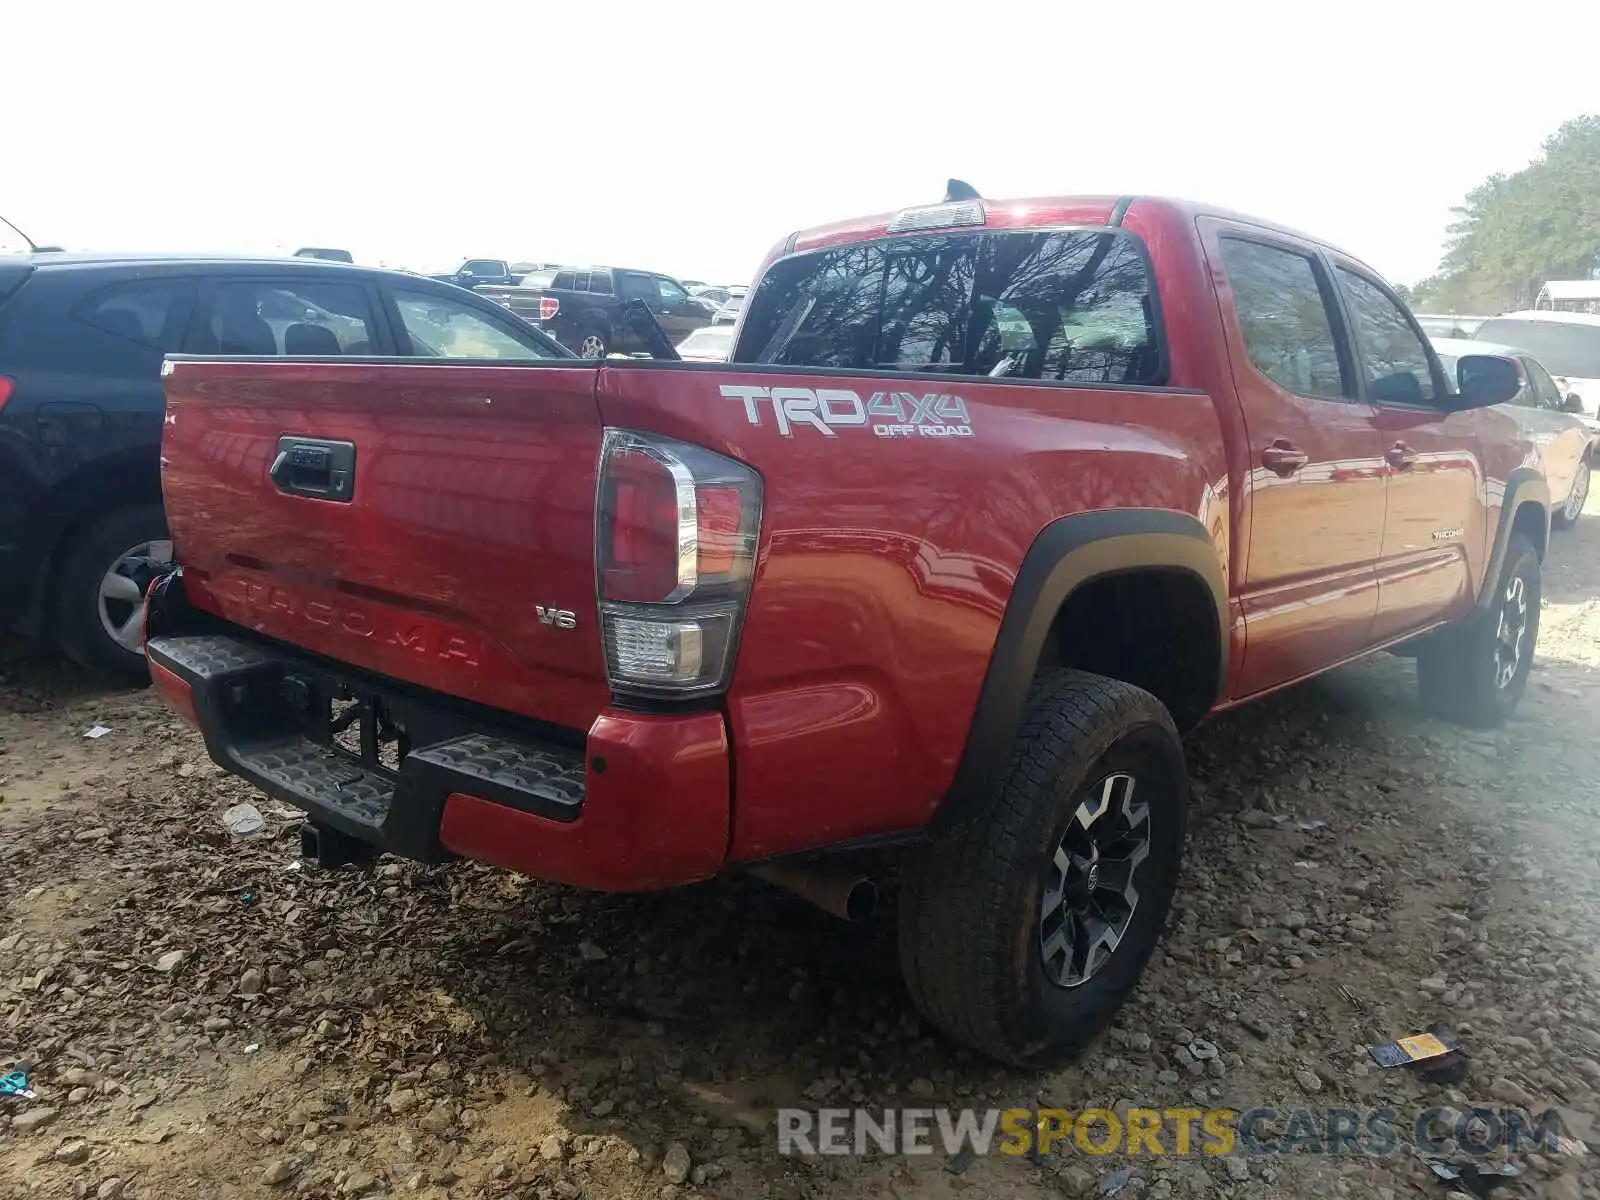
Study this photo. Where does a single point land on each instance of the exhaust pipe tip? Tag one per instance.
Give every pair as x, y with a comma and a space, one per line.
849, 897
861, 901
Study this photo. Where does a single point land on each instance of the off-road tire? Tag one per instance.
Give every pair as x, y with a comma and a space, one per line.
970, 902
1456, 668
94, 551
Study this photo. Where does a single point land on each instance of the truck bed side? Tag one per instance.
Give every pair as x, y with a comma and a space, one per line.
888, 556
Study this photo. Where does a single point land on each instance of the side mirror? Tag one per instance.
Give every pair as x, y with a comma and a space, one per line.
1486, 379
1573, 403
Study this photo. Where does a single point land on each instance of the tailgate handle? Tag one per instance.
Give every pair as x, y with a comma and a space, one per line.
315, 467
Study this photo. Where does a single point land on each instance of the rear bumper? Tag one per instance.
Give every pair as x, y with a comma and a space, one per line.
641, 803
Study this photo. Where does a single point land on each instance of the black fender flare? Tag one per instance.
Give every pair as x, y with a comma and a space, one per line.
1524, 486
1068, 553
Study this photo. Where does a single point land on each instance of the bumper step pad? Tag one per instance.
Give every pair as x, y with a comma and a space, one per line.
251, 704
535, 779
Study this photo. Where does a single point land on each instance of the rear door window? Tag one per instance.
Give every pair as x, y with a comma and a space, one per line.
1284, 318
1070, 306
153, 314
639, 287
301, 319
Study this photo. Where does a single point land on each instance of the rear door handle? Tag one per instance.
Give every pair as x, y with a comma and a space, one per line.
1401, 456
1283, 457
315, 467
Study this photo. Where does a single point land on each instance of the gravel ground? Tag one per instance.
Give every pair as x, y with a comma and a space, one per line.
203, 1019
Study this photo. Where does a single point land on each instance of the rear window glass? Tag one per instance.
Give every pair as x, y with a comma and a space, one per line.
1562, 349
152, 313
1072, 306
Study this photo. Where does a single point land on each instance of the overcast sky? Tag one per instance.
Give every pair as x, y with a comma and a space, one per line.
687, 138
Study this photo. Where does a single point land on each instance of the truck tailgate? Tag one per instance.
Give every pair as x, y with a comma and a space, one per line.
430, 522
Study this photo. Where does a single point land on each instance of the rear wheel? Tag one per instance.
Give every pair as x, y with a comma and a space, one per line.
593, 343
100, 591
1572, 509
1475, 674
1022, 933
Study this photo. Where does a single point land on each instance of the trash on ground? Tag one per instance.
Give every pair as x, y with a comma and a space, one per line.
1473, 1178
295, 864
15, 1083
958, 1162
1116, 1181
97, 731
1313, 825
252, 1047
244, 820
1437, 1054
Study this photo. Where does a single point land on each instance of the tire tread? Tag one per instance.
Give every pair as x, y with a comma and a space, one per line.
949, 952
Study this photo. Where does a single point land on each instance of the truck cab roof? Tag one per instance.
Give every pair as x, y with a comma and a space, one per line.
1036, 212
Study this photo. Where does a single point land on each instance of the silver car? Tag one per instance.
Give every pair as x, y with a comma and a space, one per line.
1553, 421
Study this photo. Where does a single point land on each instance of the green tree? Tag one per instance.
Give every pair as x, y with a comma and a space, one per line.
1513, 232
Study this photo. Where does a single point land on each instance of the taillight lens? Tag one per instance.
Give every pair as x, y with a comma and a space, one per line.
549, 306
6, 384
676, 532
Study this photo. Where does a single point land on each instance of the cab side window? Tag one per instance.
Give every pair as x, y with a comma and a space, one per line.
440, 327
1284, 318
1393, 357
1545, 392
671, 293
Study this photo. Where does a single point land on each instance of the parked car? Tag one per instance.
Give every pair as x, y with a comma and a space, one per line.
1567, 343
81, 343
720, 295
941, 572
324, 253
481, 272
582, 307
711, 344
728, 314
1566, 441
1451, 325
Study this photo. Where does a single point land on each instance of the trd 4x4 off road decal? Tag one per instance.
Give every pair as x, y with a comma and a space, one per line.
889, 414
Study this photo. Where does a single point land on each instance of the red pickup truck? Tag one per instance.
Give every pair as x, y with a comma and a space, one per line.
1001, 499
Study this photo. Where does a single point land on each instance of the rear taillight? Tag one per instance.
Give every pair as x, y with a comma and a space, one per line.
549, 306
675, 545
5, 389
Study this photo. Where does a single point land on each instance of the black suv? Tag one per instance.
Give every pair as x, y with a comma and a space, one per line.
583, 307
81, 342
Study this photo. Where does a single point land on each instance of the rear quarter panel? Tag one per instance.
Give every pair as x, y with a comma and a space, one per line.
886, 563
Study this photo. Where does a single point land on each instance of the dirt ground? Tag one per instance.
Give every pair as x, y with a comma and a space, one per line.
202, 1018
